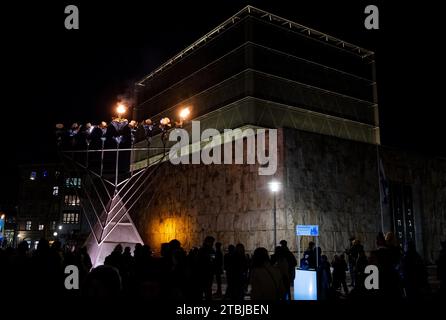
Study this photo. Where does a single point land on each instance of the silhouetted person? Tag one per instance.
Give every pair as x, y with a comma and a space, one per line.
194, 290
394, 248
339, 276
239, 273
176, 270
353, 254
292, 262
85, 260
126, 267
441, 268
206, 265
266, 281
311, 255
324, 278
304, 263
47, 270
103, 282
350, 261
147, 274
361, 264
228, 262
115, 258
218, 267
279, 261
20, 270
386, 260
414, 272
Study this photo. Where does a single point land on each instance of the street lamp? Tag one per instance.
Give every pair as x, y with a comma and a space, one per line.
55, 234
274, 187
60, 227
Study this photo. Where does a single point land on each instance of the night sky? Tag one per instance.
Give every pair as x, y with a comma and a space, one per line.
55, 75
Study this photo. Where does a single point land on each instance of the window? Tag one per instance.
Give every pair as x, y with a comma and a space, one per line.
73, 182
36, 243
28, 225
55, 190
70, 218
72, 200
53, 225
45, 173
33, 175
41, 226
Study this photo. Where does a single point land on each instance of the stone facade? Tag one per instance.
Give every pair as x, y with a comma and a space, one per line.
325, 180
333, 183
230, 202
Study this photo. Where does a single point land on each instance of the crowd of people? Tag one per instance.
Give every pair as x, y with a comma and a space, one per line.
199, 274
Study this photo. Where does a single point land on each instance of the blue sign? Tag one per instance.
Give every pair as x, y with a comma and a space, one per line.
2, 226
307, 230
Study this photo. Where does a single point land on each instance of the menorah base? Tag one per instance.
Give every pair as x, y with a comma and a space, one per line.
125, 234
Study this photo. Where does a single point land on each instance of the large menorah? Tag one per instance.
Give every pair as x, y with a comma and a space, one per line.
103, 156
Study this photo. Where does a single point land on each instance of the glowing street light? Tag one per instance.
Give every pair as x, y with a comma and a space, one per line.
274, 187
60, 227
55, 234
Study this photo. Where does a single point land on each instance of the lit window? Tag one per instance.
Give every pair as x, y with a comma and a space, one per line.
73, 182
33, 175
28, 225
55, 190
72, 200
41, 226
70, 218
36, 243
53, 225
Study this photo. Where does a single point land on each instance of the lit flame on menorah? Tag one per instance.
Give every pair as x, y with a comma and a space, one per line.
103, 154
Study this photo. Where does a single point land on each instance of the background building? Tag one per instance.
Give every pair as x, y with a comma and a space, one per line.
48, 205
259, 70
8, 225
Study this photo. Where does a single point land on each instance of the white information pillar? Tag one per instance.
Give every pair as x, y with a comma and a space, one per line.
305, 282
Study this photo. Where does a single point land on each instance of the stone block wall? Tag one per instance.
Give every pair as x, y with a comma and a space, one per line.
333, 183
325, 180
230, 202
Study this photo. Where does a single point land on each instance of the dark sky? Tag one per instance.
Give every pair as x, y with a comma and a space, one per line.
51, 74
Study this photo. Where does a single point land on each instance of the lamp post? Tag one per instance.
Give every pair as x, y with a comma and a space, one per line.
274, 187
